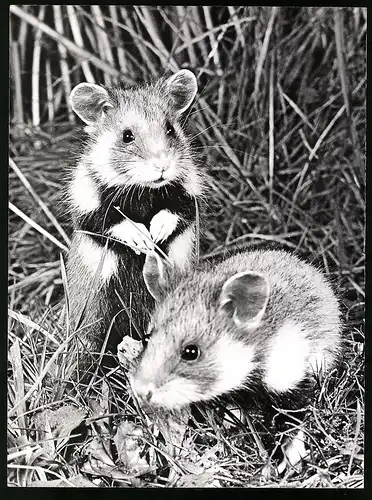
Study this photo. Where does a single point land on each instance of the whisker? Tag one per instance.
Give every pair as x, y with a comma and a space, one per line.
131, 188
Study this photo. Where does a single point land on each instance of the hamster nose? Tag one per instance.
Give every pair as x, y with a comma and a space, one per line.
144, 391
160, 166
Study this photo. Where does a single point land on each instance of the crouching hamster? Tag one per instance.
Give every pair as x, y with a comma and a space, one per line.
136, 183
264, 322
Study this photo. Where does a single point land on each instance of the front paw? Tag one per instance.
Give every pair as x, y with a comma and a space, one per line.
133, 234
162, 225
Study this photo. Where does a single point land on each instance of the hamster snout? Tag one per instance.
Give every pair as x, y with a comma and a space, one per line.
143, 390
160, 163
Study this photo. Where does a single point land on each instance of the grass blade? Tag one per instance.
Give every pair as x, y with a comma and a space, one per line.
36, 226
39, 201
70, 46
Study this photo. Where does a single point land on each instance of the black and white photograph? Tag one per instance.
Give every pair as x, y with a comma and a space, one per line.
186, 246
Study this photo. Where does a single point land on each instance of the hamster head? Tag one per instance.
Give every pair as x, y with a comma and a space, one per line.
194, 351
135, 135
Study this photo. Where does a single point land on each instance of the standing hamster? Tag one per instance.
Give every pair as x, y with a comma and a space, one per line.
262, 321
136, 183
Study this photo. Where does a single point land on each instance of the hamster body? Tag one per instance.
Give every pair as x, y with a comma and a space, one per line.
136, 183
263, 322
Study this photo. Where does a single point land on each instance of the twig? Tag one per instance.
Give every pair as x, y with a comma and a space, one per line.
182, 16
206, 34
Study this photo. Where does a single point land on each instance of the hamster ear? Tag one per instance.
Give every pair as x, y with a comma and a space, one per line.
89, 102
155, 275
244, 297
182, 87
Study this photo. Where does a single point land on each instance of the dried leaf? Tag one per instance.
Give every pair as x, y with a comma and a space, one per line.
97, 468
128, 351
129, 446
104, 399
44, 432
57, 424
350, 448
191, 467
210, 457
204, 480
173, 427
97, 449
97, 411
78, 481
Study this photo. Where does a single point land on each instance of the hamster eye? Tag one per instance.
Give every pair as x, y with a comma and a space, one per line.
128, 136
190, 352
145, 339
169, 129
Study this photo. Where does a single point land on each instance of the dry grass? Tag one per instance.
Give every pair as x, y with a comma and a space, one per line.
280, 122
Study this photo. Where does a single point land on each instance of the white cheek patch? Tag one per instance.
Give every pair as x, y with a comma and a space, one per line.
182, 248
163, 224
287, 358
91, 255
83, 191
100, 158
235, 363
176, 393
